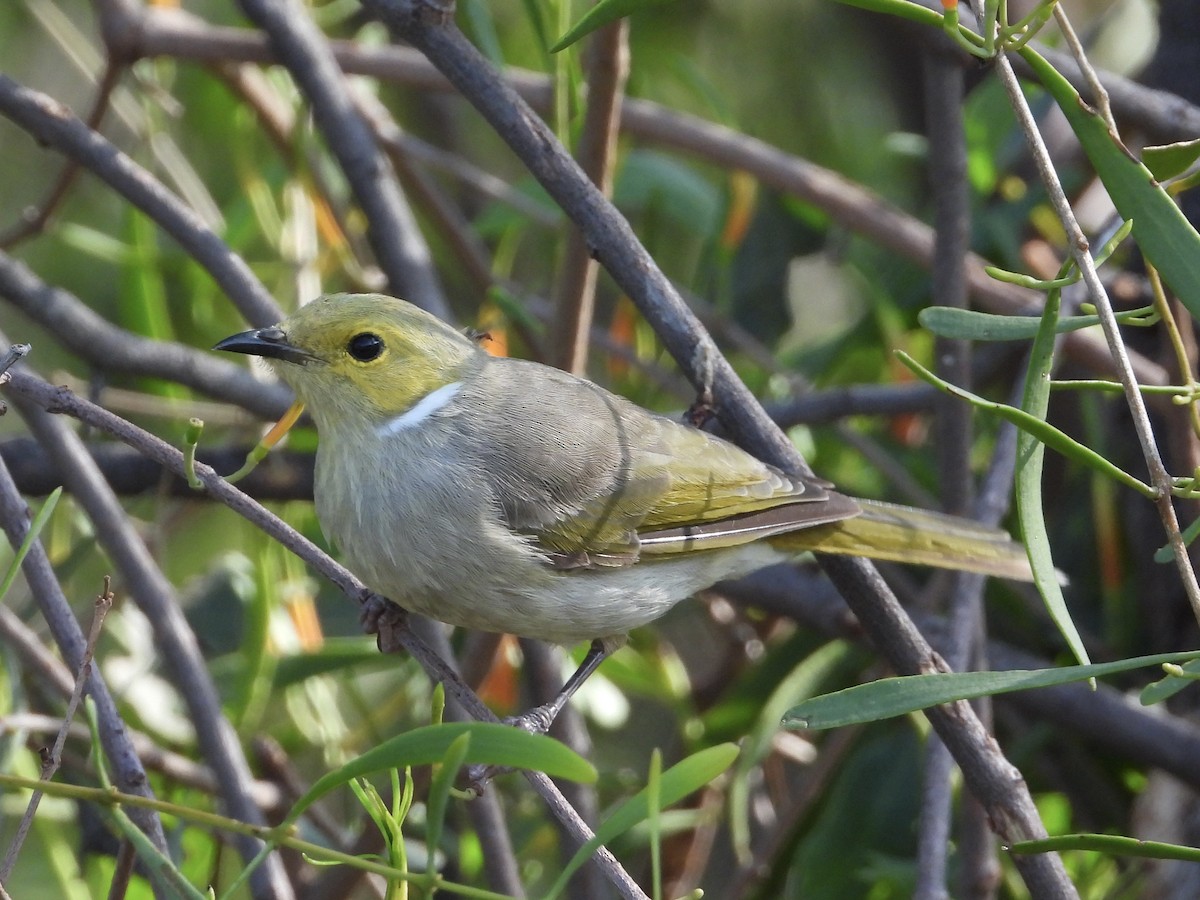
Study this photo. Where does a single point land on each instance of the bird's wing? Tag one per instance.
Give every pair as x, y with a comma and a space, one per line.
590, 476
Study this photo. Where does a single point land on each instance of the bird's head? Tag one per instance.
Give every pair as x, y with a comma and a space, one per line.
360, 357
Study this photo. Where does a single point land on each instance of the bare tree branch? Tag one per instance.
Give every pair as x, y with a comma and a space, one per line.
607, 71
111, 349
943, 88
52, 757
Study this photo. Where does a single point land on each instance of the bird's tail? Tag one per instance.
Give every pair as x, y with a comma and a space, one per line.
903, 534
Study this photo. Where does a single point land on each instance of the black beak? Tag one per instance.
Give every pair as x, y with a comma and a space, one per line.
269, 342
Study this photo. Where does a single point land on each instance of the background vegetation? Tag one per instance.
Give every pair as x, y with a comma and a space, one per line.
785, 165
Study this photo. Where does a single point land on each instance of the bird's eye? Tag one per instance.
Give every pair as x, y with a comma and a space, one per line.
365, 347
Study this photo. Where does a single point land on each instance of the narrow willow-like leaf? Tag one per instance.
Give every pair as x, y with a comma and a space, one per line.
1027, 484
799, 684
1168, 686
1162, 232
1166, 553
35, 528
600, 15
336, 654
904, 9
905, 694
971, 325
440, 787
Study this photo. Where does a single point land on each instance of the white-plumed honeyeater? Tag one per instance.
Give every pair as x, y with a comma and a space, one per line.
509, 496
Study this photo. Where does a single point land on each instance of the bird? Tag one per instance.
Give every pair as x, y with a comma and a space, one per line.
504, 495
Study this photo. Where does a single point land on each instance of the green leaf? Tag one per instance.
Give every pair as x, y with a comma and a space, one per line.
97, 244
914, 12
483, 30
801, 683
1111, 844
35, 528
1168, 686
968, 324
654, 821
492, 744
677, 782
651, 181
1162, 232
905, 694
600, 15
440, 787
1171, 160
1031, 452
1166, 553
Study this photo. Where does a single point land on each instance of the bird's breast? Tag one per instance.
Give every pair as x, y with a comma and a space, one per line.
418, 523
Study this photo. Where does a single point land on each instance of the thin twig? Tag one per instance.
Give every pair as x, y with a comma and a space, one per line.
484, 183
1099, 95
607, 60
174, 766
1164, 117
12, 356
122, 870
1079, 247
52, 758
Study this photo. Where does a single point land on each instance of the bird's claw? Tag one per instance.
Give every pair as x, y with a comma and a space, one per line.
380, 616
478, 777
702, 410
535, 721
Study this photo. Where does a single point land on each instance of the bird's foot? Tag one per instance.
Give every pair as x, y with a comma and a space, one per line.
536, 721
381, 617
479, 776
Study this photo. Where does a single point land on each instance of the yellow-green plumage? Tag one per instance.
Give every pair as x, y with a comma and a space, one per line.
506, 495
